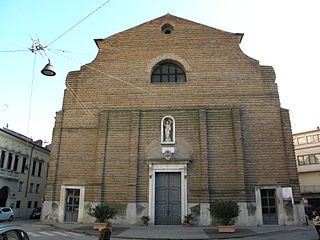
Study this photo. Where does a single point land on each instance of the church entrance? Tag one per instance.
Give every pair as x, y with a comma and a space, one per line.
168, 198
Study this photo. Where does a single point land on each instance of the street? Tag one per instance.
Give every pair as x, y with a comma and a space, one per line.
40, 231
310, 234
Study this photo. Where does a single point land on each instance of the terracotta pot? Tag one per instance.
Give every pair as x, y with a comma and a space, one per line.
96, 226
226, 229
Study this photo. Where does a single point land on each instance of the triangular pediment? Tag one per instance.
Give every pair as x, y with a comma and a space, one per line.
173, 21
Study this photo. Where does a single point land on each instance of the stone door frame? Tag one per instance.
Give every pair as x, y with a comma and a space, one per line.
279, 203
62, 204
180, 168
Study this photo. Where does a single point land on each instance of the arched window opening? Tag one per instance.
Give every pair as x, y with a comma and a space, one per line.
168, 72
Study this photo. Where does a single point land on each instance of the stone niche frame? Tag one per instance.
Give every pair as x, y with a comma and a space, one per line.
159, 167
173, 130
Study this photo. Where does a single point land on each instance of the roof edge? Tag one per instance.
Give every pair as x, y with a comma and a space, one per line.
166, 16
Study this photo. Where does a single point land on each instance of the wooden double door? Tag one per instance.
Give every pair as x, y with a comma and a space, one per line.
168, 198
72, 205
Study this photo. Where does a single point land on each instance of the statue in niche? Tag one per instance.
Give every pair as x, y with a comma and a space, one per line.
167, 126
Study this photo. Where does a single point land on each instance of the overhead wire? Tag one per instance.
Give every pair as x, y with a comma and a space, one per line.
72, 52
31, 93
68, 30
108, 75
61, 35
12, 44
78, 99
21, 50
34, 50
82, 105
37, 47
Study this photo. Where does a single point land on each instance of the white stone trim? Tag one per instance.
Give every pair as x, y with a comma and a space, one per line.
63, 202
279, 204
153, 169
170, 149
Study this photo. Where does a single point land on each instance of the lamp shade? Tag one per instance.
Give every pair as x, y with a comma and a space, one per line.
48, 70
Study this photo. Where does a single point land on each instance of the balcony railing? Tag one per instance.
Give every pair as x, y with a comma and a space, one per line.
310, 189
9, 174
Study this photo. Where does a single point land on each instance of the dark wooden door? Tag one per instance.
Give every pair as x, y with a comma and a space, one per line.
269, 208
168, 199
72, 205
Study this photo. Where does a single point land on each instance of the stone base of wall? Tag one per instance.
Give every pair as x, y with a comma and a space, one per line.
290, 214
131, 213
294, 214
50, 211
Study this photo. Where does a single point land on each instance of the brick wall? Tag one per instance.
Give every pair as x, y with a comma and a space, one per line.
228, 111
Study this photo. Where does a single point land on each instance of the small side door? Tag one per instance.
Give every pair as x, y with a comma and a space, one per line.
269, 208
72, 205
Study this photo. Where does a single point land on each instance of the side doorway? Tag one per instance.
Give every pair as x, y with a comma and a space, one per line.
269, 208
72, 205
168, 198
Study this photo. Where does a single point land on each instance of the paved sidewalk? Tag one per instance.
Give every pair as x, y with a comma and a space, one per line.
177, 231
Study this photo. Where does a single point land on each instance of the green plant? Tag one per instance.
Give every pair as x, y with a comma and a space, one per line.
188, 218
102, 212
145, 219
224, 212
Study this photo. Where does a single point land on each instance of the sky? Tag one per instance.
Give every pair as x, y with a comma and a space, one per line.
280, 33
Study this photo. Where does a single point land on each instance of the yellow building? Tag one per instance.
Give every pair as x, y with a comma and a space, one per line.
307, 148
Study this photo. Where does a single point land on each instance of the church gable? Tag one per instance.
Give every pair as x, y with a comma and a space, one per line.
210, 59
170, 25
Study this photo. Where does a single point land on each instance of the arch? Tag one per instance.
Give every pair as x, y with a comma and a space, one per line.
4, 193
168, 56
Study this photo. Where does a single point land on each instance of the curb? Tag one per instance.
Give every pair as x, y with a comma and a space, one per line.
156, 238
229, 236
75, 231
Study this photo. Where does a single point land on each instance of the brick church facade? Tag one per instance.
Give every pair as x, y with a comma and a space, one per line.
170, 116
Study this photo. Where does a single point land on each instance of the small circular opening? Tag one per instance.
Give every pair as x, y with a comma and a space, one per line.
167, 28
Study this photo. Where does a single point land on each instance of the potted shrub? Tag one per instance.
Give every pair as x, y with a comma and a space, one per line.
187, 220
145, 220
103, 213
224, 213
